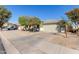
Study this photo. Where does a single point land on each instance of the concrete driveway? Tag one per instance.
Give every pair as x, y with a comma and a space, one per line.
40, 42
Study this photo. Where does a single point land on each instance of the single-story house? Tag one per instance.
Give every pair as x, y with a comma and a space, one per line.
50, 26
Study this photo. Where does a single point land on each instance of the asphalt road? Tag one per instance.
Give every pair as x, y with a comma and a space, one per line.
2, 50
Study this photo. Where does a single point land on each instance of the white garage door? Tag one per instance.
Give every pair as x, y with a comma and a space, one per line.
50, 28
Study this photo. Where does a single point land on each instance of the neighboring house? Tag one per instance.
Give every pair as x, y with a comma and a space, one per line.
50, 26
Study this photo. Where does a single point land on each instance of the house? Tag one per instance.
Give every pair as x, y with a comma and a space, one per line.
50, 26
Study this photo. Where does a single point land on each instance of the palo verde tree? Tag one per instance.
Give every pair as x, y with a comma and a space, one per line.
4, 15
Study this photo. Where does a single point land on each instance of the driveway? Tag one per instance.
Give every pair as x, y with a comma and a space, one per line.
41, 42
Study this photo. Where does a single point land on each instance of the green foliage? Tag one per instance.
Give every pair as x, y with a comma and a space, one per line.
62, 23
27, 20
73, 15
34, 21
23, 21
4, 15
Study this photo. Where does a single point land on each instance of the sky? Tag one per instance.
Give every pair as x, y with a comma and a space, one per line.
44, 12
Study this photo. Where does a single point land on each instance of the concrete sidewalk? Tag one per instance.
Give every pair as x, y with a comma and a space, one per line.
34, 43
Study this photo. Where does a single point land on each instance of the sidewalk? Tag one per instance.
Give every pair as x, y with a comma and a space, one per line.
35, 43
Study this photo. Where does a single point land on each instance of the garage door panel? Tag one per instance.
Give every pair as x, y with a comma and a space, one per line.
50, 28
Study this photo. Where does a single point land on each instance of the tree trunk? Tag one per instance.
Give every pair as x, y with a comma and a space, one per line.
66, 31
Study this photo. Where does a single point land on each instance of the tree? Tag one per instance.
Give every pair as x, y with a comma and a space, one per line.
23, 21
73, 15
34, 21
29, 21
63, 23
4, 15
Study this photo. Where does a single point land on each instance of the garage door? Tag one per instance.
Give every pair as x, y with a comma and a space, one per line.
50, 28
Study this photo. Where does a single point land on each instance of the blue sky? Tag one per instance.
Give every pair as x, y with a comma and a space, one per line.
44, 12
